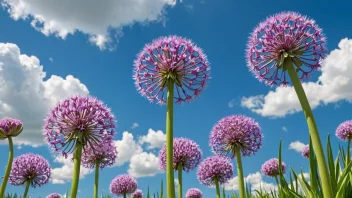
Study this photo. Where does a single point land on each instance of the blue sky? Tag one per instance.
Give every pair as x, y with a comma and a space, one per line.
220, 28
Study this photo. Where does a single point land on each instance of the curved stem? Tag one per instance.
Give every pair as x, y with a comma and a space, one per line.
28, 182
313, 130
240, 174
217, 187
96, 183
76, 169
179, 168
169, 140
8, 168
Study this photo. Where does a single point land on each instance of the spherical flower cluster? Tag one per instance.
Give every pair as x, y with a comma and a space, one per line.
215, 168
32, 168
171, 58
236, 132
53, 195
305, 151
285, 38
270, 168
80, 118
123, 185
186, 153
10, 127
344, 131
137, 194
105, 153
194, 193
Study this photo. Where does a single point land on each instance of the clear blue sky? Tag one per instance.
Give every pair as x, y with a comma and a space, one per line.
221, 29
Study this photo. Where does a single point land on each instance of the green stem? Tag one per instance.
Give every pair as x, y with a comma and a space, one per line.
313, 130
169, 140
240, 173
8, 168
28, 182
124, 195
76, 169
217, 187
179, 168
278, 185
96, 183
348, 152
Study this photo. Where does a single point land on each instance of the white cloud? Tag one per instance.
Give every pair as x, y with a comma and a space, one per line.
144, 165
25, 95
154, 139
255, 180
284, 128
334, 85
134, 125
232, 103
94, 18
297, 146
126, 148
51, 59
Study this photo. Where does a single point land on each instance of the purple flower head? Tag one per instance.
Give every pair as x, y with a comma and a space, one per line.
285, 38
171, 58
186, 153
305, 151
53, 195
194, 193
344, 131
236, 132
215, 167
80, 118
270, 168
137, 194
123, 185
105, 153
32, 168
10, 127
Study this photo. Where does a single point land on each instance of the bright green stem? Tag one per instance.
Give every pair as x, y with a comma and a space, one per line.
348, 159
28, 183
179, 169
313, 130
170, 186
217, 187
8, 168
240, 173
76, 169
96, 183
278, 185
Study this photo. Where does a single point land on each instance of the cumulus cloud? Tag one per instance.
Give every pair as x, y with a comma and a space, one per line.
126, 148
297, 146
154, 139
93, 18
25, 95
134, 125
255, 180
144, 165
333, 85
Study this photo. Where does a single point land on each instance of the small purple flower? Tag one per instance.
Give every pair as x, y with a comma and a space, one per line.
171, 58
105, 153
286, 36
53, 195
10, 127
270, 168
186, 152
194, 193
236, 132
215, 167
32, 168
80, 118
344, 131
123, 185
137, 194
305, 151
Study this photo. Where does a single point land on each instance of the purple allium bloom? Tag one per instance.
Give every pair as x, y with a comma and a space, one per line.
53, 195
173, 58
305, 151
285, 36
137, 194
104, 152
194, 193
79, 118
218, 167
123, 184
236, 132
30, 167
10, 127
270, 168
186, 152
344, 131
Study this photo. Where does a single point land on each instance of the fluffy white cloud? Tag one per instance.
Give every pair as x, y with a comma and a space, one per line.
94, 18
154, 139
134, 125
25, 95
333, 85
144, 165
297, 146
126, 148
255, 180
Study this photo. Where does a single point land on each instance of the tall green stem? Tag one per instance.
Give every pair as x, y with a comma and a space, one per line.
8, 168
278, 185
124, 195
28, 183
348, 158
179, 169
217, 187
76, 169
96, 183
170, 186
240, 173
313, 130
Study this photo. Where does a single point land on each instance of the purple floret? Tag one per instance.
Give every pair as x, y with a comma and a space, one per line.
270, 168
10, 127
194, 193
137, 194
105, 153
53, 195
305, 151
123, 185
344, 131
215, 167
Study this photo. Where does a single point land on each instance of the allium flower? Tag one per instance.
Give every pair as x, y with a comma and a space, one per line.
194, 193
53, 195
137, 194
84, 119
236, 132
283, 37
171, 58
123, 185
215, 167
305, 151
344, 131
270, 168
186, 152
105, 152
10, 127
32, 168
